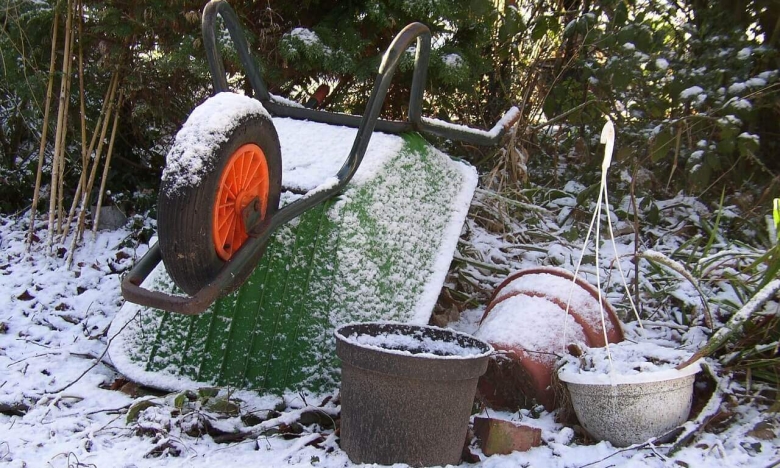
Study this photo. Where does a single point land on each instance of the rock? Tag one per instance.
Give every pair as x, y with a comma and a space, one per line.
111, 218
498, 436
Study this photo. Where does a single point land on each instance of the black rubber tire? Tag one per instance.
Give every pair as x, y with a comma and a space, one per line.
184, 214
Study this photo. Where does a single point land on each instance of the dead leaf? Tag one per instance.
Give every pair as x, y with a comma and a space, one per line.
25, 296
764, 430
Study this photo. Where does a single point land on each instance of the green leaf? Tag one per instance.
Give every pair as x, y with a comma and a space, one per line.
727, 147
224, 406
621, 14
572, 234
747, 146
587, 193
700, 176
776, 216
621, 79
135, 410
540, 29
624, 154
660, 145
653, 215
208, 392
180, 400
713, 161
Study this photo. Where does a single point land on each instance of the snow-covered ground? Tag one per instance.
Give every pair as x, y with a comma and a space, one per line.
63, 405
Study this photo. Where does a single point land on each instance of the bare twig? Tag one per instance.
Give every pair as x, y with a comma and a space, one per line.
97, 361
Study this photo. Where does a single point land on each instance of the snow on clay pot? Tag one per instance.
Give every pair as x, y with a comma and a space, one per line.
637, 400
556, 285
530, 332
407, 392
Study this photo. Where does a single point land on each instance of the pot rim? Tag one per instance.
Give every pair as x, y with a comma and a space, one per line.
340, 337
590, 378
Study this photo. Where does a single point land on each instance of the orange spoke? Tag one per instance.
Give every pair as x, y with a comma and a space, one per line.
244, 178
228, 218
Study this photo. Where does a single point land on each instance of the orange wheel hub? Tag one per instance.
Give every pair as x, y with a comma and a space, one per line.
244, 181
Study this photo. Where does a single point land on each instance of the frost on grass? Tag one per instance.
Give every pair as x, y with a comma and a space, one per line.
193, 153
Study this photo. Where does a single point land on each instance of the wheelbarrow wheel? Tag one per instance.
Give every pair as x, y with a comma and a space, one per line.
201, 226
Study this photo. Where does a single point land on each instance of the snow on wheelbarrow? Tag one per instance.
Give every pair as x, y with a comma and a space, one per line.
248, 279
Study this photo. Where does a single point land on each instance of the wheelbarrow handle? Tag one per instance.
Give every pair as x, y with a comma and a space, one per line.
245, 258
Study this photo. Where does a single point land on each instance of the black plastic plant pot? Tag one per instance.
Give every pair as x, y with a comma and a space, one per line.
407, 392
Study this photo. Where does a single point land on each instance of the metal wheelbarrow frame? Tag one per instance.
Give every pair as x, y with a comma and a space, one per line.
247, 256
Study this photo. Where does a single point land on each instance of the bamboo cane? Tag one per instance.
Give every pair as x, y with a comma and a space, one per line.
106, 165
83, 120
93, 172
55, 167
44, 130
63, 144
85, 166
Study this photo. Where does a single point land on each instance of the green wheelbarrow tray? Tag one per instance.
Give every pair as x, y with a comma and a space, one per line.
379, 251
367, 250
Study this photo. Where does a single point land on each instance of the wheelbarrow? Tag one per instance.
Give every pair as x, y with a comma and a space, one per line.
213, 232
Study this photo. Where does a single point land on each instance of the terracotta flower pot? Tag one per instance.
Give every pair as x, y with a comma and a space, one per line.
524, 372
529, 330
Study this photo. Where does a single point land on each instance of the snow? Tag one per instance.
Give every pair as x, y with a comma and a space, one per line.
208, 126
367, 286
308, 37
418, 343
581, 300
737, 88
524, 321
661, 63
740, 104
750, 136
49, 340
505, 121
744, 53
690, 92
306, 165
453, 60
632, 362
